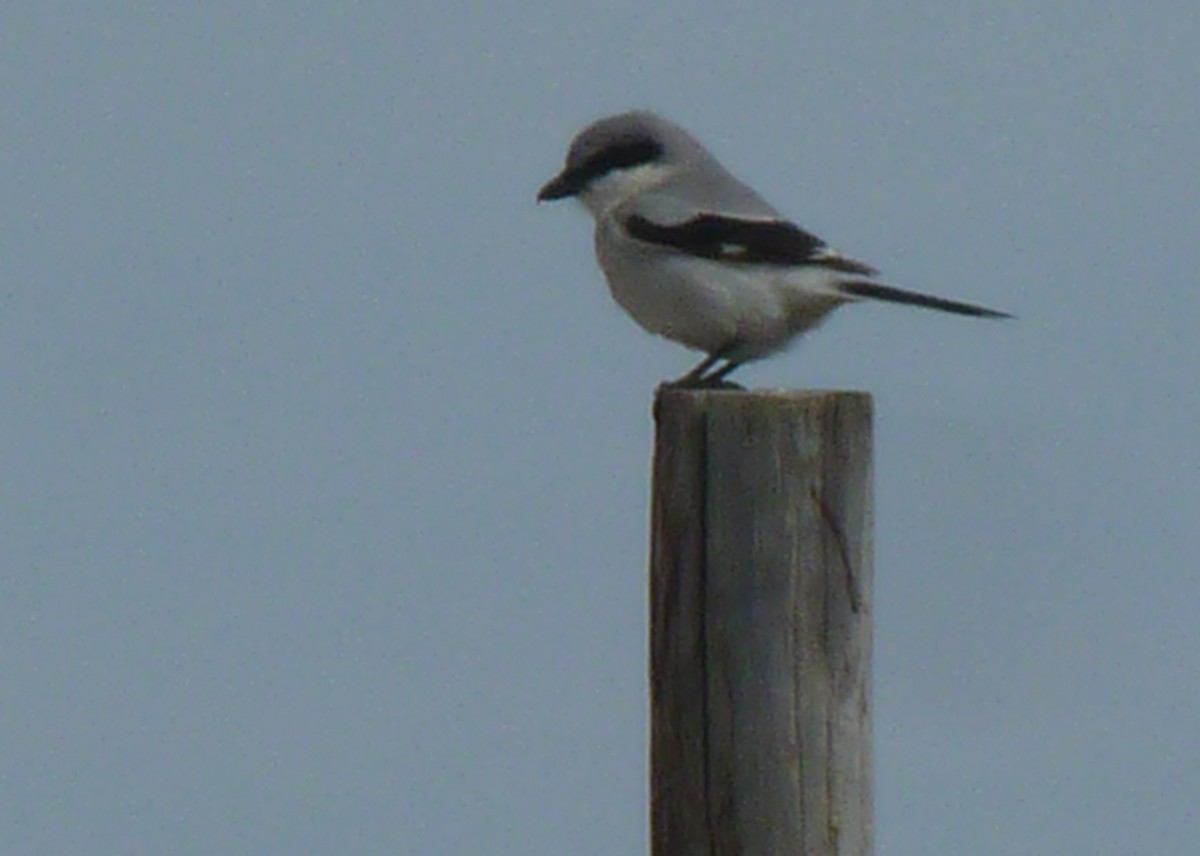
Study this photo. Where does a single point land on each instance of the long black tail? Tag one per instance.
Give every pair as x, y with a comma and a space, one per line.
878, 291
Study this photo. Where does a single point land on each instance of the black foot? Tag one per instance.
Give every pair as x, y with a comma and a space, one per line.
708, 375
689, 382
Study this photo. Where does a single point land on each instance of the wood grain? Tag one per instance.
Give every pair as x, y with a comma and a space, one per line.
761, 624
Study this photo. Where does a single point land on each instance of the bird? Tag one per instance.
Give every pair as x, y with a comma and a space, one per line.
696, 256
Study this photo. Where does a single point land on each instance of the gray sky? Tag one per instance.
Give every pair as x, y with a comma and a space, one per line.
323, 513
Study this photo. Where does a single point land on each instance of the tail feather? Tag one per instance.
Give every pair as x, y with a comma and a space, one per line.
879, 291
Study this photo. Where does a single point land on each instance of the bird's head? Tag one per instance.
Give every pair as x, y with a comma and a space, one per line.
613, 159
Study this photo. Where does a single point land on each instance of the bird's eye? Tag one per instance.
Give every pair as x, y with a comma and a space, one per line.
624, 155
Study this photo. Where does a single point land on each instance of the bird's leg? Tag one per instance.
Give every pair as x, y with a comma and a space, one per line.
717, 379
702, 376
695, 377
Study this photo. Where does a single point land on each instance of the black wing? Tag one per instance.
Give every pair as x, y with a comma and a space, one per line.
728, 239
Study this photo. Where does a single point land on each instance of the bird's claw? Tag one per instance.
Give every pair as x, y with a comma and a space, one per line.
702, 383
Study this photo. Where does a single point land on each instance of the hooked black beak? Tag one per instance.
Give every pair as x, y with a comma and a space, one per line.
561, 186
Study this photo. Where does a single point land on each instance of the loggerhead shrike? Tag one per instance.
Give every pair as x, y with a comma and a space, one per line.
698, 257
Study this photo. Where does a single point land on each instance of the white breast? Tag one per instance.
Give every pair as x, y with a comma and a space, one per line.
700, 303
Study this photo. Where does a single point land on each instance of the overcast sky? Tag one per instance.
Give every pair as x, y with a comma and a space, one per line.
323, 507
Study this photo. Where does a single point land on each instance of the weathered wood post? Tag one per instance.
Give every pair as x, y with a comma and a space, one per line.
760, 625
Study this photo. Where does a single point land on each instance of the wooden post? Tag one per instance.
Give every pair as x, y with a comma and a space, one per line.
760, 625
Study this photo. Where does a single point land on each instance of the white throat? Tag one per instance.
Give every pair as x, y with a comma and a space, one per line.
621, 185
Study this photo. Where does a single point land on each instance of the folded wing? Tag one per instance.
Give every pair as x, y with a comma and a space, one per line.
740, 241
